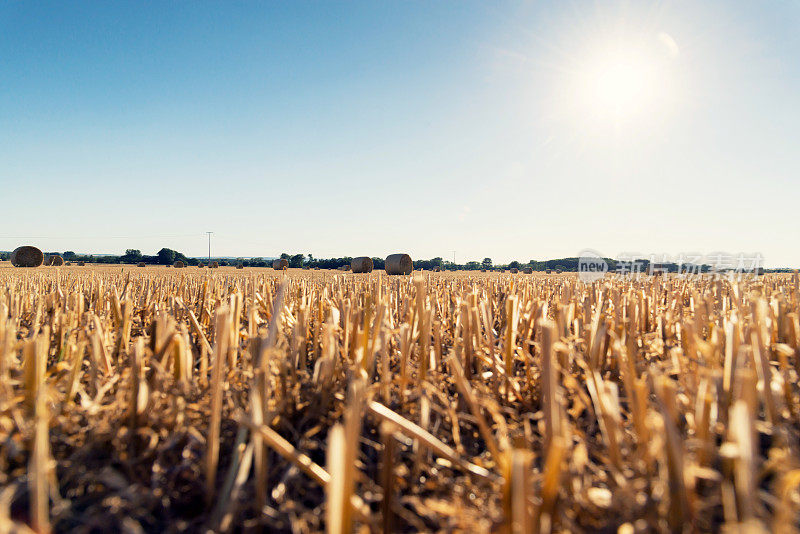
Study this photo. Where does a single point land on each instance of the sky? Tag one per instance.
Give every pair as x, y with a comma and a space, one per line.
509, 130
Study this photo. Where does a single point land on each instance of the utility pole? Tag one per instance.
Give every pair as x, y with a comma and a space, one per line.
454, 257
209, 246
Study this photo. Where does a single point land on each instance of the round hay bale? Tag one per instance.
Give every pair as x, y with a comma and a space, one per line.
362, 264
81, 263
67, 263
141, 264
343, 268
280, 264
558, 271
399, 264
514, 270
240, 265
213, 265
548, 271
437, 269
201, 265
54, 260
528, 270
179, 264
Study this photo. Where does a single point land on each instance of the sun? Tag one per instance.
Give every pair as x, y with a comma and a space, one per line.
621, 85
621, 81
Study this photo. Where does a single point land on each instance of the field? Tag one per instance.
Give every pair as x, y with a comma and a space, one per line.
163, 400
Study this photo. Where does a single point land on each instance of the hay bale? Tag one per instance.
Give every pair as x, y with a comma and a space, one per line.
201, 265
362, 264
528, 270
141, 264
514, 270
213, 265
437, 269
179, 264
399, 264
280, 264
81, 263
240, 265
558, 271
54, 261
548, 271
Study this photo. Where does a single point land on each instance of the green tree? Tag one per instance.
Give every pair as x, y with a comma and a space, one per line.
487, 263
132, 255
296, 261
166, 256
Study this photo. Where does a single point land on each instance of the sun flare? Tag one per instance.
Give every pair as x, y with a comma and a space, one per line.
621, 85
621, 81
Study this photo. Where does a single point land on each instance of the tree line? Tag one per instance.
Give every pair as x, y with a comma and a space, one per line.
167, 256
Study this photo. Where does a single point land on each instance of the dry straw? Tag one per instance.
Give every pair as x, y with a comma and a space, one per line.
54, 260
27, 256
361, 264
398, 264
310, 402
280, 264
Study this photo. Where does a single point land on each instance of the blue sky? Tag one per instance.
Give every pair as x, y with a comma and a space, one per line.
371, 128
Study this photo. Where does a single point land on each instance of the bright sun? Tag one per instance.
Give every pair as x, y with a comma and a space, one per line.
621, 83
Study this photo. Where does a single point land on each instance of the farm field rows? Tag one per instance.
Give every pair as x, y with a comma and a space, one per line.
161, 400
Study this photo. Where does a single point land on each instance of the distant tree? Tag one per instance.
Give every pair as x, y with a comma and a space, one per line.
487, 263
166, 256
285, 256
131, 255
513, 265
69, 255
296, 261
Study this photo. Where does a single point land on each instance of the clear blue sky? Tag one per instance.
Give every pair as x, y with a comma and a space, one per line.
514, 130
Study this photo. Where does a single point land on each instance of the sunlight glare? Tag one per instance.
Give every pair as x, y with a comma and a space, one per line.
619, 84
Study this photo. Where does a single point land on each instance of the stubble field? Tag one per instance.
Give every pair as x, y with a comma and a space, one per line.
158, 399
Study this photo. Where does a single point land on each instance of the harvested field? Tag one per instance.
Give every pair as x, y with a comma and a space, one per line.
172, 400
